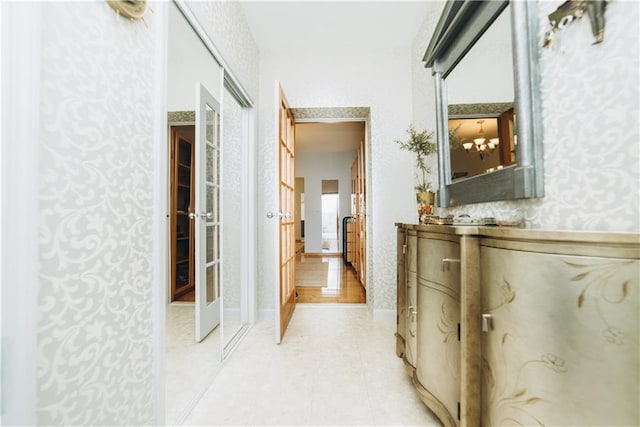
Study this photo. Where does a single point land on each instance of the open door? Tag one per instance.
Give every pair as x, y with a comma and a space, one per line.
207, 213
286, 291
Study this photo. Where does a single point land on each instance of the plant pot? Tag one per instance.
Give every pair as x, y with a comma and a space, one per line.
425, 205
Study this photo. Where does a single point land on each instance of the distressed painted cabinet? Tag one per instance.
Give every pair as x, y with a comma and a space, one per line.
548, 326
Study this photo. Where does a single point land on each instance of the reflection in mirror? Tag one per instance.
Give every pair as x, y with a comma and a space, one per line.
483, 58
481, 143
481, 80
189, 366
231, 193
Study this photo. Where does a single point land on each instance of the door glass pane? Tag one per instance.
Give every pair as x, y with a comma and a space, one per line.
210, 163
211, 202
210, 124
211, 249
212, 283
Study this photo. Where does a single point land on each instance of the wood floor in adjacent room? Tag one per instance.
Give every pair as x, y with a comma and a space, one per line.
342, 284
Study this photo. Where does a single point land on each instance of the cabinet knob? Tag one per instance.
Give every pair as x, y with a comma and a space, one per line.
486, 322
447, 261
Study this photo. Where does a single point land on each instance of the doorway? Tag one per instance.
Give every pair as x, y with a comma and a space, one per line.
325, 154
330, 208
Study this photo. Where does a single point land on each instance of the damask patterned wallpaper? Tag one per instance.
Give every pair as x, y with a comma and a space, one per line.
590, 110
94, 338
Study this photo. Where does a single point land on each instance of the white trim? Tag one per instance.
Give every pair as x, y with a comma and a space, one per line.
267, 314
247, 232
160, 210
384, 314
21, 32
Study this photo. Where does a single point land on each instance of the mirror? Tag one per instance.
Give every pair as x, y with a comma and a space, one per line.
189, 365
234, 315
482, 56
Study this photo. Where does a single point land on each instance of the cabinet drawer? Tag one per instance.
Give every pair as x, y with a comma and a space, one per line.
439, 261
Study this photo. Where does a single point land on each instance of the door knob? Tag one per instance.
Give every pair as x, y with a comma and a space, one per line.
272, 214
207, 215
193, 215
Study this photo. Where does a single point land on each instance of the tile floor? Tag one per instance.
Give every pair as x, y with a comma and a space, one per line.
336, 366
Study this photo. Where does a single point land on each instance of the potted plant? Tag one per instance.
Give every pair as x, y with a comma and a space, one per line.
422, 144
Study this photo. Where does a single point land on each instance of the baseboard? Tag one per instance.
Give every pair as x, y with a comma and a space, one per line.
322, 254
384, 314
232, 313
266, 314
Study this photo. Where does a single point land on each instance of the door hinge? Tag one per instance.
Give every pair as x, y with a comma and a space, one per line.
458, 331
458, 411
404, 249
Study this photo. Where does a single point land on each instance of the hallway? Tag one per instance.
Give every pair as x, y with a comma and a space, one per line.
336, 366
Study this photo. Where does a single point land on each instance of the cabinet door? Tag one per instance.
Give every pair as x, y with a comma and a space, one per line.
438, 356
412, 297
442, 262
401, 291
562, 344
438, 365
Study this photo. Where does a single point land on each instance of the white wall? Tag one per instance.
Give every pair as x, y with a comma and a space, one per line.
590, 113
314, 167
95, 342
380, 79
99, 112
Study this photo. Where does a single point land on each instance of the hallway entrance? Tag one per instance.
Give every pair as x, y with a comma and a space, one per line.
329, 155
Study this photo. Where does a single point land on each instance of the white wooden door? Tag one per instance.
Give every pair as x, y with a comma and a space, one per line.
207, 213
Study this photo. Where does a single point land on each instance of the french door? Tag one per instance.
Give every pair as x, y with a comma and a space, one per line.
208, 264
286, 289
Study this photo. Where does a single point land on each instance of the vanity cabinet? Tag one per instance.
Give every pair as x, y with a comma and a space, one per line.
527, 326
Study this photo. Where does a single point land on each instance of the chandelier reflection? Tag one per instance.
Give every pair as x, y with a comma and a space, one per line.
481, 145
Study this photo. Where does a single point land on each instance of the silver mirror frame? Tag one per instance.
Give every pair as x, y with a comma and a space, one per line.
460, 26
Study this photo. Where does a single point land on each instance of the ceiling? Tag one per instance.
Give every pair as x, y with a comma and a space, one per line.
326, 25
328, 137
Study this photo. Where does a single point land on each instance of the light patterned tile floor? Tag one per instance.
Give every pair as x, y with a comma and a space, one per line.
336, 366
